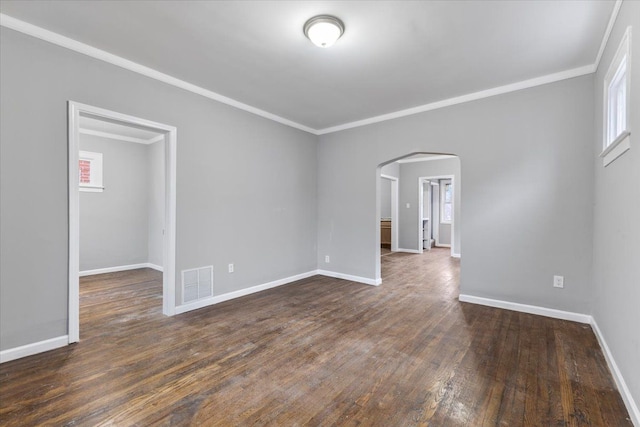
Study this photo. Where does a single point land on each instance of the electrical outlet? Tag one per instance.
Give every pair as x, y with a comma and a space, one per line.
230, 268
408, 205
558, 281
327, 259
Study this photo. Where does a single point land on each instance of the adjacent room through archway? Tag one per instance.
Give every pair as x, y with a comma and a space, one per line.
419, 203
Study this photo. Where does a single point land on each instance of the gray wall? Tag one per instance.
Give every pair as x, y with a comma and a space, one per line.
113, 223
531, 144
409, 174
616, 244
228, 163
156, 194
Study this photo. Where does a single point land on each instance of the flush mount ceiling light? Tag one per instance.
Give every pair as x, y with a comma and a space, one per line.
323, 30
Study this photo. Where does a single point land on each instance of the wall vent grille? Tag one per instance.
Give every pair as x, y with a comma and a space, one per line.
197, 284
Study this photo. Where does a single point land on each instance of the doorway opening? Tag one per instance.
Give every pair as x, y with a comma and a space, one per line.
425, 212
436, 219
388, 213
89, 127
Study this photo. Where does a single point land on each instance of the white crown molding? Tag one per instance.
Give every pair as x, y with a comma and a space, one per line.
607, 33
117, 137
426, 159
538, 81
68, 43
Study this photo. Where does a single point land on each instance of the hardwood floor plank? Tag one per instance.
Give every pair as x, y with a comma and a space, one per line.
320, 351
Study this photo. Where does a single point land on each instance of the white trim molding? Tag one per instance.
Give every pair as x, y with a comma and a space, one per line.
409, 251
33, 348
119, 268
358, 279
632, 406
242, 292
617, 148
607, 33
155, 267
500, 90
395, 223
117, 137
454, 255
426, 159
525, 308
389, 177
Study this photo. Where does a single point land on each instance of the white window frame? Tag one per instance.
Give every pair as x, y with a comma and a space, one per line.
617, 103
443, 190
95, 184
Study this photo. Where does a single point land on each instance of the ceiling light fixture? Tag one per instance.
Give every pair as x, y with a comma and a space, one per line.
323, 30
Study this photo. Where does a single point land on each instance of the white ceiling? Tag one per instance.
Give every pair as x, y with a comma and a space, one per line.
394, 55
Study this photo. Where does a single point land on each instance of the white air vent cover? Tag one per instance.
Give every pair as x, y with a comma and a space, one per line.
197, 284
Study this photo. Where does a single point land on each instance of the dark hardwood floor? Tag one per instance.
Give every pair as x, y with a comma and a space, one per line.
317, 352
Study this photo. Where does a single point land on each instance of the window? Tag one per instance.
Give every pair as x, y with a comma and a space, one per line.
446, 202
616, 102
90, 170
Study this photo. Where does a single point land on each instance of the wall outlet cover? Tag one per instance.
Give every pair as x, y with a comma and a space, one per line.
558, 281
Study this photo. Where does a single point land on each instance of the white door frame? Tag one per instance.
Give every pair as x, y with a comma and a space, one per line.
75, 110
426, 184
420, 206
394, 211
435, 213
394, 222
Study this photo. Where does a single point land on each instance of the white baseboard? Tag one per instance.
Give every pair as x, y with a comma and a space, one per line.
242, 292
119, 268
442, 245
454, 255
155, 267
631, 405
524, 308
409, 251
34, 348
359, 279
